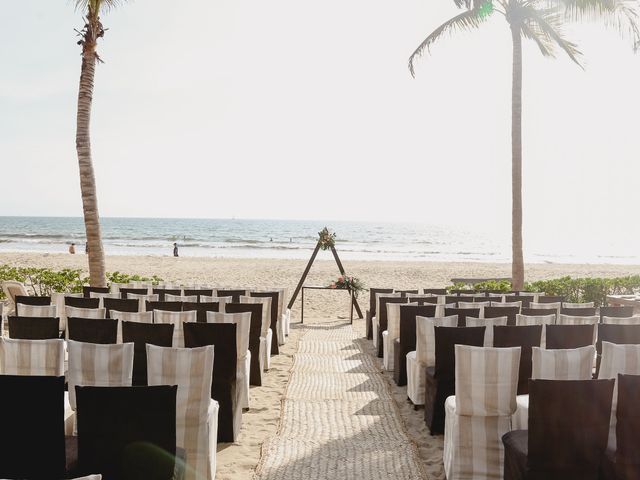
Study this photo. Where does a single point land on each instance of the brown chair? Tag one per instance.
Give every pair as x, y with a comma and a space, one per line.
81, 302
120, 305
198, 291
403, 293
462, 313
165, 306
91, 330
539, 312
31, 300
568, 336
407, 341
34, 328
382, 318
434, 291
551, 299
510, 312
525, 337
617, 311
255, 375
568, 432
525, 299
234, 294
441, 378
372, 308
223, 389
136, 291
578, 312
141, 334
86, 291
463, 292
274, 296
201, 309
161, 292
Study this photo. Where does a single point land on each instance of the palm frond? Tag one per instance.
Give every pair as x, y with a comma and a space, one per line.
97, 5
467, 20
621, 15
544, 26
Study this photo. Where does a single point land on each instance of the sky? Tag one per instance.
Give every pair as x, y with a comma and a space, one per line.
306, 110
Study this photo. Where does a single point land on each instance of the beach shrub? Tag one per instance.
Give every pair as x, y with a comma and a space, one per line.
117, 277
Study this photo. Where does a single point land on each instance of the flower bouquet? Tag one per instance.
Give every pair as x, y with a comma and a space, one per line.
327, 239
348, 283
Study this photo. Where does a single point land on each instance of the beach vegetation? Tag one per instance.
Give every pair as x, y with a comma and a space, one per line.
542, 22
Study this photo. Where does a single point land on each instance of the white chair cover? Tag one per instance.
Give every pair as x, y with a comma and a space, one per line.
374, 320
634, 320
391, 333
177, 319
32, 357
266, 334
181, 298
578, 305
480, 413
142, 299
489, 323
37, 310
191, 369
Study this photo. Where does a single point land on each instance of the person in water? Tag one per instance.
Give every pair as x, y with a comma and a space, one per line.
175, 250
72, 249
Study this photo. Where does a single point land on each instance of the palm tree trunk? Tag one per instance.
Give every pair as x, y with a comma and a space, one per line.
517, 267
87, 179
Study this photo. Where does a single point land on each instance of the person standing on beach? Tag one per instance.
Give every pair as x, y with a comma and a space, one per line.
72, 249
175, 250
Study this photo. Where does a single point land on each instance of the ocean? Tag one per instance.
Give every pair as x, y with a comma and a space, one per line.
294, 239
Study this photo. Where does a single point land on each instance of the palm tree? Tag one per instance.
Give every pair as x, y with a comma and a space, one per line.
89, 35
540, 21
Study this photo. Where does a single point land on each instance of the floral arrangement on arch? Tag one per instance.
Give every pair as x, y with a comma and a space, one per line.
326, 239
348, 283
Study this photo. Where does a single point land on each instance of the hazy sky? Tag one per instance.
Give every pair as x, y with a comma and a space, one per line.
298, 109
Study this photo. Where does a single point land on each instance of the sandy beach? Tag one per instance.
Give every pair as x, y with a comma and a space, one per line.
238, 461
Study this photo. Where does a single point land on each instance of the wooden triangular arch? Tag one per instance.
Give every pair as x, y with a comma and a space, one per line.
306, 272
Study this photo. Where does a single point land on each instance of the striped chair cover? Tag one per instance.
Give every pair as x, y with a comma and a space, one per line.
102, 296
191, 369
517, 303
424, 355
480, 412
141, 317
143, 299
578, 305
568, 364
243, 321
38, 310
489, 323
222, 301
265, 332
75, 312
392, 333
618, 359
32, 357
92, 364
180, 298
634, 320
574, 320
529, 320
551, 306
177, 319
374, 320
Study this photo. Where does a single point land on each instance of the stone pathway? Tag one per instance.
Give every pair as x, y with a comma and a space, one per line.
338, 418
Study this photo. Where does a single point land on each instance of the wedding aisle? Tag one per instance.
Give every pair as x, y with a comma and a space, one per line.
338, 418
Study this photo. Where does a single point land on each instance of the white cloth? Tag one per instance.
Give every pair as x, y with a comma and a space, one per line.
416, 379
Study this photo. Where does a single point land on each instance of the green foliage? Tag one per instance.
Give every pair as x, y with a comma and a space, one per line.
45, 281
117, 277
350, 283
326, 239
587, 289
497, 285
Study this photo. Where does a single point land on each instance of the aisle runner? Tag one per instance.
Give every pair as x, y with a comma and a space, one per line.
338, 418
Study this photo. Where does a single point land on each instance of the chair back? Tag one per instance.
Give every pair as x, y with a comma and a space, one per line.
121, 305
550, 299
141, 334
616, 311
255, 375
578, 305
619, 334
489, 323
81, 302
191, 369
167, 306
24, 310
434, 291
486, 380
578, 311
32, 357
90, 330
274, 296
383, 314
462, 314
78, 312
562, 364
446, 338
569, 336
223, 388
178, 319
380, 294
243, 322
540, 312
404, 293
525, 337
627, 427
198, 292
92, 364
235, 294
266, 311
408, 315
135, 292
525, 300
140, 317
161, 292
168, 297
11, 290
32, 440
87, 291
202, 309
127, 432
393, 318
568, 427
34, 328
633, 320
425, 337
502, 311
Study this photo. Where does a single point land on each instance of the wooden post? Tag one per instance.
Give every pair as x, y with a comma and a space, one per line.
304, 276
